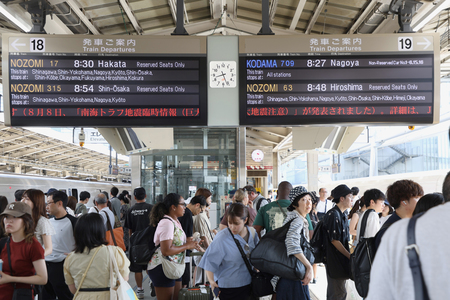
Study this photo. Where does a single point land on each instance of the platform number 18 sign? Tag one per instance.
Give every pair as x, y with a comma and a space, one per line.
405, 44
37, 44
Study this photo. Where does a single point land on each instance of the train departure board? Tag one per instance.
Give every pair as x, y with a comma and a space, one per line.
61, 80
339, 79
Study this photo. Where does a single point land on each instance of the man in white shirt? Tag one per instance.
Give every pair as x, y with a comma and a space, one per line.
102, 206
374, 201
391, 277
324, 205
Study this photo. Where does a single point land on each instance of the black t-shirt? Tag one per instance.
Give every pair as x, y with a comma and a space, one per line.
138, 216
187, 222
336, 227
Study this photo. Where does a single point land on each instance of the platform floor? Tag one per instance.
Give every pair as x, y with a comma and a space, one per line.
318, 291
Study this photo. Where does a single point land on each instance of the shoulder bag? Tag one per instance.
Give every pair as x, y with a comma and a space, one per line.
85, 273
120, 289
114, 236
270, 255
261, 282
172, 269
19, 293
412, 251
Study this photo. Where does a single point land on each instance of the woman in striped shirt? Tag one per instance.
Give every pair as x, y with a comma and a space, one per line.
289, 289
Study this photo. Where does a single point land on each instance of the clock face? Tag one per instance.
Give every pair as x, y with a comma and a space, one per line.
222, 74
257, 155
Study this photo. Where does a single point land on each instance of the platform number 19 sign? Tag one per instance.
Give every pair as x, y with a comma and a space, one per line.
405, 44
37, 44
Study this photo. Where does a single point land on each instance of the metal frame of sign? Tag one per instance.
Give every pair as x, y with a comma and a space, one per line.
104, 81
386, 79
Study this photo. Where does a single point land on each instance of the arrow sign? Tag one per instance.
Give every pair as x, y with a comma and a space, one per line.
427, 43
15, 44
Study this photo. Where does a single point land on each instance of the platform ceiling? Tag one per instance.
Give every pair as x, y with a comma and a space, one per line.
235, 17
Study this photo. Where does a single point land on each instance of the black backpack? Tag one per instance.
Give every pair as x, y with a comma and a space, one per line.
362, 258
317, 242
258, 205
142, 245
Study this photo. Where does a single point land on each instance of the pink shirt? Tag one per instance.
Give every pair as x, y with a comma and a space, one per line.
164, 231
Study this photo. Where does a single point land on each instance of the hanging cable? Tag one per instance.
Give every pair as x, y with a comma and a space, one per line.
123, 18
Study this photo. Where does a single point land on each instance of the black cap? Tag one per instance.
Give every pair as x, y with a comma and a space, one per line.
139, 193
340, 191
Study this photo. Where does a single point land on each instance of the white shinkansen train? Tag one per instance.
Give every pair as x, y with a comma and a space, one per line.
431, 181
9, 183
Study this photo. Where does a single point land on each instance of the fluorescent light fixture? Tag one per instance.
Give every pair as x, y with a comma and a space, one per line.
14, 18
433, 12
84, 174
47, 169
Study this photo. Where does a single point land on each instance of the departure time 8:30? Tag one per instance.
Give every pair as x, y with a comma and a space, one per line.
83, 63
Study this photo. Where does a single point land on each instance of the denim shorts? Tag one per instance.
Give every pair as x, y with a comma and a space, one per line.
159, 279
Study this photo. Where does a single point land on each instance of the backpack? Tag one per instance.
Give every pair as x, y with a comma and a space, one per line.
362, 258
258, 205
142, 245
317, 242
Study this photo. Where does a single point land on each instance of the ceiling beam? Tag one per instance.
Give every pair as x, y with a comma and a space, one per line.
272, 11
316, 15
298, 13
173, 11
125, 5
79, 11
257, 136
362, 18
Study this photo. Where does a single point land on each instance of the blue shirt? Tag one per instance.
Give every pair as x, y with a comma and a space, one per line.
224, 259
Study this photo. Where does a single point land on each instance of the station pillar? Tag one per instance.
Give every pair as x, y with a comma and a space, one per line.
241, 167
313, 170
135, 163
276, 170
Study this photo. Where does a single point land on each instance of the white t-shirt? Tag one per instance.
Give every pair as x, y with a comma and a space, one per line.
372, 226
43, 227
320, 208
93, 209
391, 277
110, 215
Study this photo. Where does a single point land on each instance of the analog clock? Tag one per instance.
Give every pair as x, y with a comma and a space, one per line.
222, 74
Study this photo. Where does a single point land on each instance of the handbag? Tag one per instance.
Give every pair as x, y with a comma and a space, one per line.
19, 293
171, 269
270, 255
85, 273
120, 289
261, 282
114, 236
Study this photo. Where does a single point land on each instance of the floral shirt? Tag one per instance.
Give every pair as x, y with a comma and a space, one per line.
178, 239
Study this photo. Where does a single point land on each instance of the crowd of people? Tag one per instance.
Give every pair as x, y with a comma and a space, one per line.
56, 247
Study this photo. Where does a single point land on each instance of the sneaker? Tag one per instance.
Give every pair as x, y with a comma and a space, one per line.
313, 281
152, 290
140, 293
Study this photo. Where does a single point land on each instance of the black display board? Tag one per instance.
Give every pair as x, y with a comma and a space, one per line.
104, 89
331, 88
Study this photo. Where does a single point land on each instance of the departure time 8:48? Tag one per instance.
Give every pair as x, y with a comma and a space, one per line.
320, 87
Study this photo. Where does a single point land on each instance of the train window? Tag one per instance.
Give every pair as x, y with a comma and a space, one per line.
75, 193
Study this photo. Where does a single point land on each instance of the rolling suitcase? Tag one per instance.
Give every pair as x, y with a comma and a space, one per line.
201, 292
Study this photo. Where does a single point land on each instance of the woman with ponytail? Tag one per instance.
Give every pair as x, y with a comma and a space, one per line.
171, 238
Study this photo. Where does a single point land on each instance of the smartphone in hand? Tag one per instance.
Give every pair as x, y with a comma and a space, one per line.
216, 292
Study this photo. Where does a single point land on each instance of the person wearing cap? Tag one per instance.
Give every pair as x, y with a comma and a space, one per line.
298, 229
138, 218
272, 215
26, 253
63, 242
336, 238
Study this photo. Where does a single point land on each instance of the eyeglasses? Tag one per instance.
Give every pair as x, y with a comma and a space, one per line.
247, 250
182, 204
48, 203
